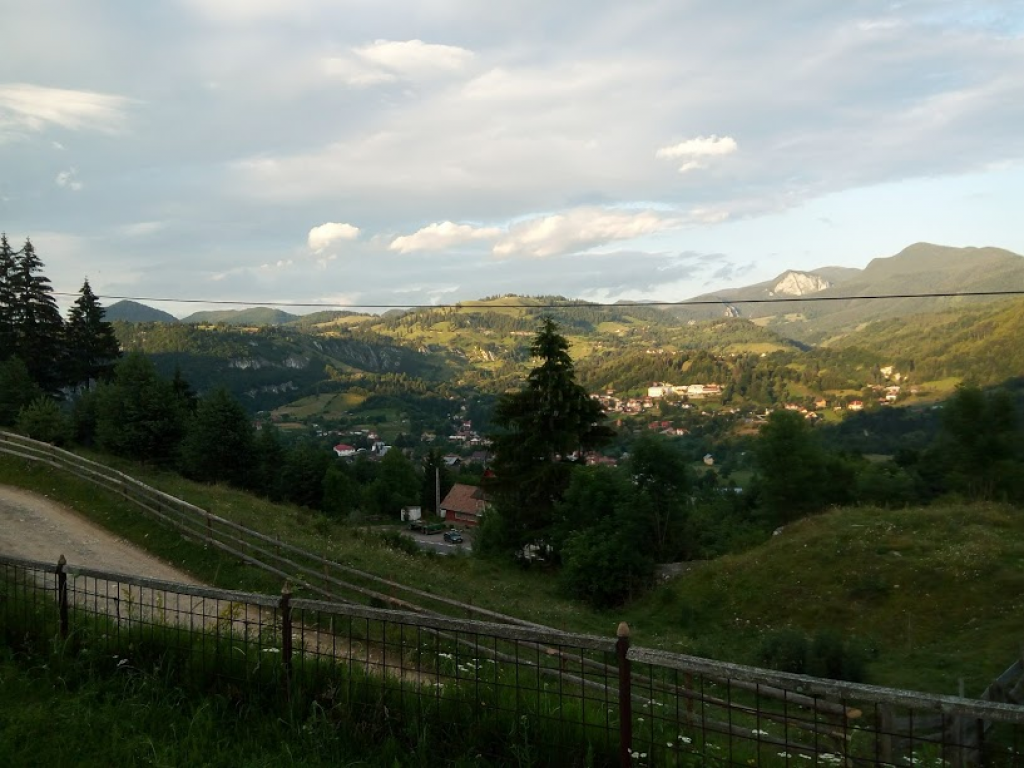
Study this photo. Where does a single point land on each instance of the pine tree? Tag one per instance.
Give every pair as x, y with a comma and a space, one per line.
92, 348
39, 328
543, 427
8, 298
138, 414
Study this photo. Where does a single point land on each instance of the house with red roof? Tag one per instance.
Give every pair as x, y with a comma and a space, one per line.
464, 505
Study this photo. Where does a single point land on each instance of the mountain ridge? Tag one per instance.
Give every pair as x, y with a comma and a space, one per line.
920, 268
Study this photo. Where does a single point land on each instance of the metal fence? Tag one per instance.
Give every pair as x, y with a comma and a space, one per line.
534, 696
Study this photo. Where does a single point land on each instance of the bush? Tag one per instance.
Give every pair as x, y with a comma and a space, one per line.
828, 654
397, 541
43, 420
784, 650
603, 568
833, 657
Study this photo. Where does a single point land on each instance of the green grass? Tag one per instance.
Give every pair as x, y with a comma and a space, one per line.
932, 594
328, 406
146, 695
531, 594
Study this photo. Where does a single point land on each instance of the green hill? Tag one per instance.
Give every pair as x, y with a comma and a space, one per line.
132, 312
931, 595
979, 342
256, 316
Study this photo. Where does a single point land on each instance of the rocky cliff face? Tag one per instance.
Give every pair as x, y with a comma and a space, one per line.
799, 284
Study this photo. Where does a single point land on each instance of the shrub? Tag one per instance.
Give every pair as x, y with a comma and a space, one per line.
43, 420
603, 569
784, 650
828, 654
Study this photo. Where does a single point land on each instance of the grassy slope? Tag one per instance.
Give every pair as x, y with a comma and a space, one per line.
935, 592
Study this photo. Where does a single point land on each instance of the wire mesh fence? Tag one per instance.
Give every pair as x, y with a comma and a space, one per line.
535, 696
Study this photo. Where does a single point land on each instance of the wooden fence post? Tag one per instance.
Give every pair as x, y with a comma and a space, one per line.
625, 696
62, 596
286, 636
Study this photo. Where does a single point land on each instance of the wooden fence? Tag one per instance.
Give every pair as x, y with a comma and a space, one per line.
625, 705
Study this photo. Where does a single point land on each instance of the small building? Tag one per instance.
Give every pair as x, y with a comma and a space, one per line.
344, 451
411, 513
464, 504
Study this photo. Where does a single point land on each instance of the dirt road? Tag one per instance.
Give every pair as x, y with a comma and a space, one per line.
36, 528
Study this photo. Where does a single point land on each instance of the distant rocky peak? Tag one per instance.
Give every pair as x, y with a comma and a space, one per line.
799, 284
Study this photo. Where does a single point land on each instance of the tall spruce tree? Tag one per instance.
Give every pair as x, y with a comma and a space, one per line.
39, 328
92, 348
8, 298
543, 428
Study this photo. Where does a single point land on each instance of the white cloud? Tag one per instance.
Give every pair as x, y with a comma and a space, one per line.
386, 61
141, 228
68, 180
34, 107
446, 234
694, 152
412, 57
322, 236
580, 229
709, 215
355, 73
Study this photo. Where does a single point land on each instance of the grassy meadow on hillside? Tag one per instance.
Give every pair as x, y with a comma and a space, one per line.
930, 595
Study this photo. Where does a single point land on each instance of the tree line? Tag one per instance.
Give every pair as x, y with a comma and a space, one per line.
42, 354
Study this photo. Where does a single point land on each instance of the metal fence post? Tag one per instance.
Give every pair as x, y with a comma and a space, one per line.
286, 635
625, 696
62, 595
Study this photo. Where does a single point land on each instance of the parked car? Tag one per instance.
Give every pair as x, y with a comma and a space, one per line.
453, 537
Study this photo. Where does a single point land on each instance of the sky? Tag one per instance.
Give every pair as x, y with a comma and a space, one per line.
358, 153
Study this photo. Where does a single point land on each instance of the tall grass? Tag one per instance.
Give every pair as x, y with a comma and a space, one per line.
113, 693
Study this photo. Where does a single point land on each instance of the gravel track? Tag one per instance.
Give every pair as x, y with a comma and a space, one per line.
37, 528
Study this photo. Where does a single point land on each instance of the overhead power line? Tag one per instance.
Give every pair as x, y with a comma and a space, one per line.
496, 305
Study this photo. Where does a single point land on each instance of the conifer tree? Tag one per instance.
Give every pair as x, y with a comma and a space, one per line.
92, 348
543, 427
218, 445
39, 328
8, 298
